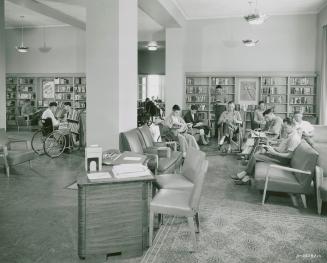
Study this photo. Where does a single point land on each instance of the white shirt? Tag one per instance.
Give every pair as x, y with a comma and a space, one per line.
48, 114
304, 127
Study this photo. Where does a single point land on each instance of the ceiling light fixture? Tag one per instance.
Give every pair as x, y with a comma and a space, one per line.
255, 18
44, 48
250, 42
22, 48
152, 46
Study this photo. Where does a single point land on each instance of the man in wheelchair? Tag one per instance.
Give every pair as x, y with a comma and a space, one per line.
229, 123
48, 119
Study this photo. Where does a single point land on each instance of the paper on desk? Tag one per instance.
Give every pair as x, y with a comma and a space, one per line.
133, 174
130, 170
97, 176
132, 158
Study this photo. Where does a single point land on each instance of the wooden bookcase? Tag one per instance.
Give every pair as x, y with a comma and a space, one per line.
67, 87
18, 89
284, 93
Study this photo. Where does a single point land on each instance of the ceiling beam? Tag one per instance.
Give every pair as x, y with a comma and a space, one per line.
50, 12
162, 13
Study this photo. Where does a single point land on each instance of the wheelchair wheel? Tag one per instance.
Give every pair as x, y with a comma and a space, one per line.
54, 144
38, 142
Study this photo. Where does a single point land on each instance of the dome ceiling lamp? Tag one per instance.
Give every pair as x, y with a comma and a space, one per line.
22, 48
255, 18
250, 42
44, 48
152, 46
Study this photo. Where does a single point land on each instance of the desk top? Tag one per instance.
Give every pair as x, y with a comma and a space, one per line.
83, 179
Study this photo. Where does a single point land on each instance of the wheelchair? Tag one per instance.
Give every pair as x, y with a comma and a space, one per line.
49, 141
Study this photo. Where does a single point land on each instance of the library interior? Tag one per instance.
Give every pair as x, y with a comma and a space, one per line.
163, 131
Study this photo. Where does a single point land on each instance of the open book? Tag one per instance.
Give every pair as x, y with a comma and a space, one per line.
130, 170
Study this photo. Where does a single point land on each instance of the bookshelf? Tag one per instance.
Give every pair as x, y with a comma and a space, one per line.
284, 93
18, 89
43, 89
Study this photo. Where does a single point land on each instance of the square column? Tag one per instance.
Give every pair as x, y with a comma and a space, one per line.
174, 83
2, 66
111, 70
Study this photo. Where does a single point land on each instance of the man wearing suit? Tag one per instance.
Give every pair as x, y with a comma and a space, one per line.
193, 121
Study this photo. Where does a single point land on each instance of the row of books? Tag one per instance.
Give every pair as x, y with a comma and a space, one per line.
25, 89
274, 90
301, 90
274, 99
62, 81
196, 89
302, 81
222, 81
196, 81
304, 109
26, 96
301, 100
64, 89
80, 97
268, 81
80, 81
63, 96
79, 104
80, 89
198, 98
201, 107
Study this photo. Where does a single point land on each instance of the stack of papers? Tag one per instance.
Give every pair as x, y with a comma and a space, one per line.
130, 170
99, 176
258, 134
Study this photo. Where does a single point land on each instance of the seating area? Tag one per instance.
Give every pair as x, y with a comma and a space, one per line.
163, 131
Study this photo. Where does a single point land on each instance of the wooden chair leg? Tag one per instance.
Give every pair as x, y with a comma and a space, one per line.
265, 191
304, 201
319, 205
30, 163
151, 228
197, 222
192, 228
7, 171
294, 200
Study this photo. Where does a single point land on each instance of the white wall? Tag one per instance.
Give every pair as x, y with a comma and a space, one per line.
287, 43
66, 56
321, 21
2, 67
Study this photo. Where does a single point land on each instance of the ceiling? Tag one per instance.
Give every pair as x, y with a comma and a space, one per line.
208, 9
73, 8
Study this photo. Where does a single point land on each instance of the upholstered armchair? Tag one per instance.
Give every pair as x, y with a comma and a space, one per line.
165, 160
293, 179
321, 188
11, 157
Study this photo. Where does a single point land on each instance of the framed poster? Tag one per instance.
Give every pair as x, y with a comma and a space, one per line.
248, 91
48, 90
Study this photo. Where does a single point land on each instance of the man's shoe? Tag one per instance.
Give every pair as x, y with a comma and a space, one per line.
239, 176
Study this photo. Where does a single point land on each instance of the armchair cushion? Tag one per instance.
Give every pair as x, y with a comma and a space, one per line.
279, 180
323, 190
321, 148
173, 181
147, 140
22, 156
304, 158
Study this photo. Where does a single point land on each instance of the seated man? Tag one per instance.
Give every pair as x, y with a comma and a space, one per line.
230, 121
49, 114
304, 128
192, 119
281, 154
178, 127
273, 125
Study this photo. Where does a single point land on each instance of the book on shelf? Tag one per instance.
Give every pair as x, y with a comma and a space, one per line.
61, 81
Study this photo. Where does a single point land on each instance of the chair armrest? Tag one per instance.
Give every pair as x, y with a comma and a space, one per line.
173, 143
153, 156
289, 169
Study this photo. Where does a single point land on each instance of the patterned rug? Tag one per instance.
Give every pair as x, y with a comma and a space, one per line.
235, 227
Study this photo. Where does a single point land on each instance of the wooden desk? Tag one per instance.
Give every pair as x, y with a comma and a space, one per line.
113, 215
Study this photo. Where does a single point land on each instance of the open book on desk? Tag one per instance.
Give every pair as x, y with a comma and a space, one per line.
130, 170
